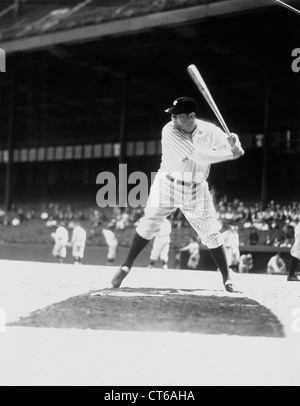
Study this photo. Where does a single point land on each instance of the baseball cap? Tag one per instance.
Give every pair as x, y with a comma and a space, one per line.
183, 105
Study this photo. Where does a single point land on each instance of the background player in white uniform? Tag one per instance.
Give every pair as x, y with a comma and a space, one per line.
276, 265
232, 246
61, 237
78, 243
295, 252
189, 147
194, 250
112, 243
161, 245
246, 263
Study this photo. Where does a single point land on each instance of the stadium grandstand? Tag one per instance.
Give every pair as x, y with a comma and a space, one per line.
83, 89
86, 84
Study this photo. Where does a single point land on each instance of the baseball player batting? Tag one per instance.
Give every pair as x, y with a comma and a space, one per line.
189, 147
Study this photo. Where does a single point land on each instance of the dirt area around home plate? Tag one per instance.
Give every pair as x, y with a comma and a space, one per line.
65, 326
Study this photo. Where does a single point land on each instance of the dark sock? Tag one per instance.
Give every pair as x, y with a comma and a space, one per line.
137, 246
219, 256
293, 266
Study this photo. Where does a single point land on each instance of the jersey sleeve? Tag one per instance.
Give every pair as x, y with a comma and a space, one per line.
220, 139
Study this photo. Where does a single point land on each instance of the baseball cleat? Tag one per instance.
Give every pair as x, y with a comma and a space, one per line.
120, 276
229, 286
293, 278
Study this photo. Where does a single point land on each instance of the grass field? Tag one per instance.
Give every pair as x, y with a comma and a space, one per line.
65, 326
93, 255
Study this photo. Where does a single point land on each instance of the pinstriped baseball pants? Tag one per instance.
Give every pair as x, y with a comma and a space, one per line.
195, 202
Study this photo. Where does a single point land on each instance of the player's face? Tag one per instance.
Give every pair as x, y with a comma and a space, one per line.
183, 121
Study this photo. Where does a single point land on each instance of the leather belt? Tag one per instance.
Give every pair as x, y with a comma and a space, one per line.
182, 183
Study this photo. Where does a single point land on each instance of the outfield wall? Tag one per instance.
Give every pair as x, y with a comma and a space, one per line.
261, 256
97, 256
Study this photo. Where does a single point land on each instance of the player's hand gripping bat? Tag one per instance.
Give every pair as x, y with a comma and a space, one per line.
201, 85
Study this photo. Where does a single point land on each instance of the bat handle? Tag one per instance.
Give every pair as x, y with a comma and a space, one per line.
226, 130
224, 125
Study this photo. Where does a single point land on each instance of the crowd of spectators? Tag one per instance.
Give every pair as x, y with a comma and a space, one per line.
269, 226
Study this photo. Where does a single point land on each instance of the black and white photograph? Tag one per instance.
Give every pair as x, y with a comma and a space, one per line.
149, 195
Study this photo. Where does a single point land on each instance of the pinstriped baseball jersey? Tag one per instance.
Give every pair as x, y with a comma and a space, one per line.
178, 146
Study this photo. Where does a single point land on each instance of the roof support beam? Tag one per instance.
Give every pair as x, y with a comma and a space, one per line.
134, 25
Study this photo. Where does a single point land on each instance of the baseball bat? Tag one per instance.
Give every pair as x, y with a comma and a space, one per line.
281, 3
201, 85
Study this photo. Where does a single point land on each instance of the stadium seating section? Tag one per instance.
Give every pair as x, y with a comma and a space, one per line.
33, 224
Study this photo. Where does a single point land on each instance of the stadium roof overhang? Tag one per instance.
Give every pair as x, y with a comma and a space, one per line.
135, 25
80, 75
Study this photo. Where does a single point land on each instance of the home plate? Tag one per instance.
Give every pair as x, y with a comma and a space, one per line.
123, 293
158, 293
